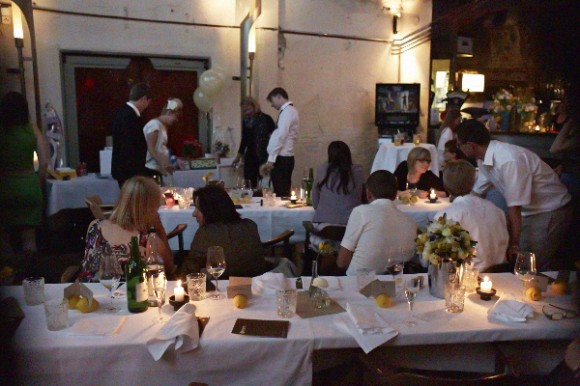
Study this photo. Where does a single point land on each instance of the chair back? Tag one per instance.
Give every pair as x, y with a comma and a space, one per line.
95, 204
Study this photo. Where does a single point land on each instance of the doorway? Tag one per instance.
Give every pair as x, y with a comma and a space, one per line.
96, 85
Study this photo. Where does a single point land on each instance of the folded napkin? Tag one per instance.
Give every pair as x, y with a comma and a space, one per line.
268, 283
182, 330
98, 326
509, 310
366, 326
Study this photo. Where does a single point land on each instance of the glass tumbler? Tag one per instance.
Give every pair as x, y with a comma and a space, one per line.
454, 298
33, 290
286, 302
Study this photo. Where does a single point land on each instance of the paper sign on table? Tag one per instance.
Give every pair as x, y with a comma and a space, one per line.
377, 287
239, 285
79, 289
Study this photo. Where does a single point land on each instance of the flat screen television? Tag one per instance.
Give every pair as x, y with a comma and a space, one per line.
397, 104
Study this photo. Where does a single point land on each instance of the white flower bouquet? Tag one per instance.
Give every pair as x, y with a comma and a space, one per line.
503, 100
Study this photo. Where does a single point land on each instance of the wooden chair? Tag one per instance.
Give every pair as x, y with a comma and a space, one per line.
289, 268
327, 262
99, 210
283, 238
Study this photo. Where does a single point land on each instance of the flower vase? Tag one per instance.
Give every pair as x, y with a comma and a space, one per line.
504, 121
439, 275
312, 289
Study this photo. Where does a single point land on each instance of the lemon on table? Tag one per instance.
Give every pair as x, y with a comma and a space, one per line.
240, 301
72, 301
414, 199
405, 200
559, 287
533, 293
83, 305
384, 301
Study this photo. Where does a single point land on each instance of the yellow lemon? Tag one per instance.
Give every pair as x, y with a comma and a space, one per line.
240, 301
235, 200
246, 200
405, 200
83, 305
533, 293
559, 287
414, 199
384, 301
72, 301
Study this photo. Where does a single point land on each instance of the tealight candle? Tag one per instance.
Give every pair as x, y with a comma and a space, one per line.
432, 196
485, 285
293, 197
178, 292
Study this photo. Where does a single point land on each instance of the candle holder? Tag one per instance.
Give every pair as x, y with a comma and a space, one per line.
485, 295
293, 200
433, 200
177, 305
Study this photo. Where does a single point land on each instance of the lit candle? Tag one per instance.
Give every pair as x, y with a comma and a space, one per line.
293, 197
35, 162
432, 195
178, 292
485, 285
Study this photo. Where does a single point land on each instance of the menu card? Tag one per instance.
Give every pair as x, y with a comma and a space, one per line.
377, 287
267, 328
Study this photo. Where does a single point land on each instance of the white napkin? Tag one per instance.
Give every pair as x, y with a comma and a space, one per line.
181, 330
509, 310
366, 326
268, 283
98, 326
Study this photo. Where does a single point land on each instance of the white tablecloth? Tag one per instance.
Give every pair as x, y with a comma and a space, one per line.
272, 221
52, 358
390, 156
71, 193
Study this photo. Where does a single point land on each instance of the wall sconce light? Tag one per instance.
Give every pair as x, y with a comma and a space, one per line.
464, 47
473, 82
19, 42
251, 55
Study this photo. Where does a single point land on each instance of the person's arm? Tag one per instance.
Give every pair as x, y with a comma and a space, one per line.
566, 140
243, 145
514, 225
163, 246
41, 152
164, 165
344, 258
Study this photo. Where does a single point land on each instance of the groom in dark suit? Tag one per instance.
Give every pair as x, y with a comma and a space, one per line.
129, 144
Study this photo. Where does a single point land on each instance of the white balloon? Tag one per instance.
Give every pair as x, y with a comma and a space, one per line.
201, 100
211, 82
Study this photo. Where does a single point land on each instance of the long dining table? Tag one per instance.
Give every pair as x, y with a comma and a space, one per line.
223, 358
273, 220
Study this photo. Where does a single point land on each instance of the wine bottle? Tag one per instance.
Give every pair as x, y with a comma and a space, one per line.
136, 281
155, 267
309, 184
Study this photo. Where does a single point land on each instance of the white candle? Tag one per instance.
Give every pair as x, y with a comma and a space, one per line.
293, 195
178, 292
485, 285
432, 195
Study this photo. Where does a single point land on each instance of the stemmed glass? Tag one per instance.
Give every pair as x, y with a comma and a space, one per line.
159, 282
110, 274
216, 265
525, 267
412, 286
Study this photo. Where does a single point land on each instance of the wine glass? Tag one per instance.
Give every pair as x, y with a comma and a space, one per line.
110, 274
525, 267
159, 282
412, 286
216, 265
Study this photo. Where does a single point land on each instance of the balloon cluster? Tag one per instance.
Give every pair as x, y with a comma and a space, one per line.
211, 83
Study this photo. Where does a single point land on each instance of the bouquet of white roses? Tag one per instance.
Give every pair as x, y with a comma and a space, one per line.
445, 240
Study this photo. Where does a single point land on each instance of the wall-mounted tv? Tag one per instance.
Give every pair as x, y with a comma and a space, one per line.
397, 104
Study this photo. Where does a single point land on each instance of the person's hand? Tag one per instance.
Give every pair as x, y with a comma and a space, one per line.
404, 193
512, 253
422, 193
236, 161
168, 169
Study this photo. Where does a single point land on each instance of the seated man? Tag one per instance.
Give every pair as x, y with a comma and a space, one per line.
378, 230
484, 221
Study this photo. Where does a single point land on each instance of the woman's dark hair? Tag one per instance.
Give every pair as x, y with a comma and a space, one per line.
452, 147
339, 159
13, 110
216, 205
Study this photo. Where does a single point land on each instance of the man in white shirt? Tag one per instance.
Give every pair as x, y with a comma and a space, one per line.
484, 221
281, 145
539, 206
378, 230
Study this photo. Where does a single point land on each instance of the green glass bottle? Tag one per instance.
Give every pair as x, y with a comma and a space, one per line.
309, 184
135, 271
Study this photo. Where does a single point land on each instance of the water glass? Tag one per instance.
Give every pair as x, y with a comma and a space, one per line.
56, 311
33, 290
454, 298
364, 276
196, 286
286, 302
470, 280
320, 298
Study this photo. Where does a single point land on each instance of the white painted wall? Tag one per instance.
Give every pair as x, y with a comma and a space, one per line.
331, 81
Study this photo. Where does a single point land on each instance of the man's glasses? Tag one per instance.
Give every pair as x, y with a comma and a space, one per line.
553, 312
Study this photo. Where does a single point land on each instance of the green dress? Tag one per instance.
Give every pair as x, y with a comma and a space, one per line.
20, 190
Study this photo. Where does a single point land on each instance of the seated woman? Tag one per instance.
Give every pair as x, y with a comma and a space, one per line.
452, 153
220, 224
134, 214
415, 174
485, 222
337, 188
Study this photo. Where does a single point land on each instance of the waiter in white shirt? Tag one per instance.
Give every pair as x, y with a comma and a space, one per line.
539, 206
281, 146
